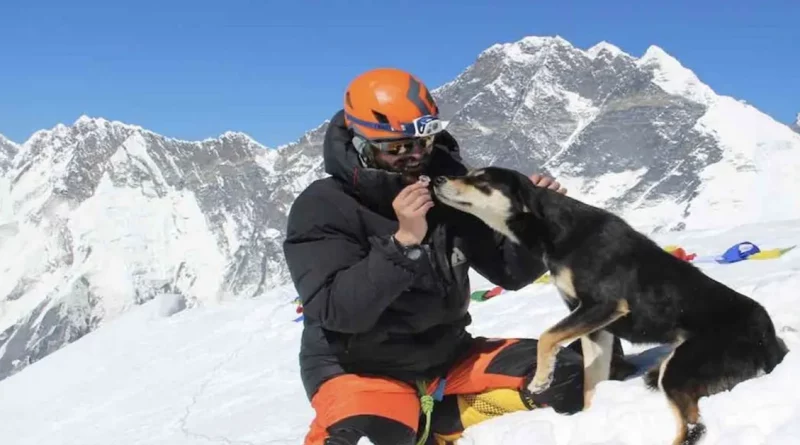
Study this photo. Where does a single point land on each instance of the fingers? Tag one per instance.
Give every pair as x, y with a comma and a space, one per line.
421, 201
411, 189
424, 209
416, 201
412, 192
547, 182
544, 181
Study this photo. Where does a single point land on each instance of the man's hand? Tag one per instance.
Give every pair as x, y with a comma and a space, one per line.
411, 205
547, 182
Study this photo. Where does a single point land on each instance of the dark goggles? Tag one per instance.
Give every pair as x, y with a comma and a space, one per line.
397, 147
416, 135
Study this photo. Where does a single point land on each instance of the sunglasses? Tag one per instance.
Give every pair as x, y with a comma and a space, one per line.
397, 147
420, 135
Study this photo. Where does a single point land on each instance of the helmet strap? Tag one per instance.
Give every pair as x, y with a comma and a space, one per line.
364, 151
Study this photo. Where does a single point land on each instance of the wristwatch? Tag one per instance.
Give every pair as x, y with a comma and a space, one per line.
412, 251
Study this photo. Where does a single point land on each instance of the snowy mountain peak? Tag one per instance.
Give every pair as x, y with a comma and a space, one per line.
542, 41
673, 77
88, 123
797, 123
526, 50
529, 42
6, 141
87, 120
605, 47
8, 150
523, 49
241, 137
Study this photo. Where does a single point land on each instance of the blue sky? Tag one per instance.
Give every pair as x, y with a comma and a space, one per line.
274, 69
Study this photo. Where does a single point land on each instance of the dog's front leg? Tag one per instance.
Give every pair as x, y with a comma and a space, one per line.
584, 320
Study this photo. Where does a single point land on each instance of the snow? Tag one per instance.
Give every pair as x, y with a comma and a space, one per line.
474, 123
673, 77
599, 191
515, 53
23, 255
583, 110
8, 141
126, 252
266, 159
541, 41
527, 50
501, 85
120, 239
760, 165
602, 46
170, 304
228, 372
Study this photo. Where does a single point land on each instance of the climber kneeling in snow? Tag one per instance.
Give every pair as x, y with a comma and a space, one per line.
382, 274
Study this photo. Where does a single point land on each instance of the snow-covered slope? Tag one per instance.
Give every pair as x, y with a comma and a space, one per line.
99, 216
229, 373
796, 125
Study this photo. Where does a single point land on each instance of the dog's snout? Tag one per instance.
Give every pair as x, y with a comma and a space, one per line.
439, 180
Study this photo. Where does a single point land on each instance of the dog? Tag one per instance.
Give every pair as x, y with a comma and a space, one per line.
618, 282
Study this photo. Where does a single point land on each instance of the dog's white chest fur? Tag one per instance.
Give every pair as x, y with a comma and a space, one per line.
493, 209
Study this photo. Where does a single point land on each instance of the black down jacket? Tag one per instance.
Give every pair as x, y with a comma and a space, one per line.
368, 308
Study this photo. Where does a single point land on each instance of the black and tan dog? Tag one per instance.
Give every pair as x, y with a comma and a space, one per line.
616, 281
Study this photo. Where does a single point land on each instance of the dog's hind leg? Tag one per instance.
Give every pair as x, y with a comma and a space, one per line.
684, 406
682, 390
704, 365
583, 321
597, 351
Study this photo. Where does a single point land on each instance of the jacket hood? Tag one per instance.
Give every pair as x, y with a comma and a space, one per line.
376, 187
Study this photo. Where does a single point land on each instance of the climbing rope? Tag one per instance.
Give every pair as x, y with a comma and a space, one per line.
426, 402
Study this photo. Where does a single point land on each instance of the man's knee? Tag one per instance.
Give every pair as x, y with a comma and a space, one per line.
565, 393
379, 431
385, 411
457, 412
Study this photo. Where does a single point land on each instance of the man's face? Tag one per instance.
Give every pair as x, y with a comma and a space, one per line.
409, 157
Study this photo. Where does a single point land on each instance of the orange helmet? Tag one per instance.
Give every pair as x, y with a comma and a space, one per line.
389, 103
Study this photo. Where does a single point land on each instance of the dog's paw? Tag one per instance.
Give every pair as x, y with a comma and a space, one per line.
539, 383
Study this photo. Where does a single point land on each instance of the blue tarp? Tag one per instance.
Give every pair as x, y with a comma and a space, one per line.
738, 252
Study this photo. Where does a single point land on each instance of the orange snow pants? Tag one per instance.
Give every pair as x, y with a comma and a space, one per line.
489, 382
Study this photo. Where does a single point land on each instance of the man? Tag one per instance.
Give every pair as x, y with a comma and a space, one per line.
382, 274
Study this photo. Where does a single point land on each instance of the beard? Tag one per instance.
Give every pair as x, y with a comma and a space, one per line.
409, 168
